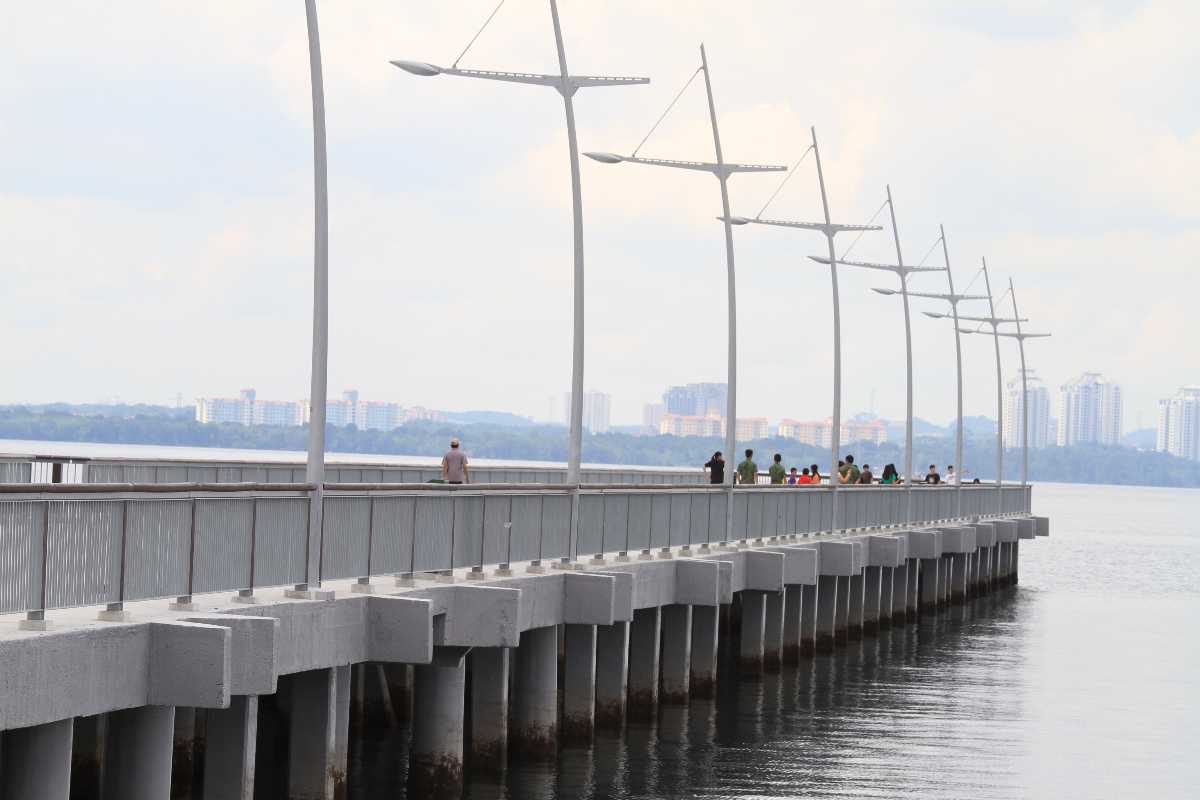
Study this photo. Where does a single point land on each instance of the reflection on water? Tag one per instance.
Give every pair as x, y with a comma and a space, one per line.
1079, 683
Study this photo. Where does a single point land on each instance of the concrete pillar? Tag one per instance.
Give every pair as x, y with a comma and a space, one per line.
793, 610
341, 729
1016, 551
808, 619
929, 583
533, 721
898, 598
1000, 570
37, 762
612, 673
579, 682
773, 632
87, 756
436, 757
231, 739
489, 707
827, 602
645, 635
872, 587
841, 629
183, 747
912, 602
958, 578
706, 622
750, 644
855, 609
312, 761
945, 581
399, 680
137, 753
676, 659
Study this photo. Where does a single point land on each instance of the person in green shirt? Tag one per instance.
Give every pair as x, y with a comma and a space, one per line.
747, 471
850, 472
889, 475
777, 472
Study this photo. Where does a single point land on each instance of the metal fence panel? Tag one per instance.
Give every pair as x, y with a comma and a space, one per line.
22, 526
280, 539
158, 544
592, 528
527, 527
468, 529
660, 522
345, 537
618, 523
698, 528
433, 531
393, 540
637, 536
680, 518
84, 553
556, 526
222, 546
497, 514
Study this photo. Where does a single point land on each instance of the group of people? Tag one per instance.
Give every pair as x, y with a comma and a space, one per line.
848, 473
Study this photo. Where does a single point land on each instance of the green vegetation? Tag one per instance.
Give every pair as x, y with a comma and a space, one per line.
167, 426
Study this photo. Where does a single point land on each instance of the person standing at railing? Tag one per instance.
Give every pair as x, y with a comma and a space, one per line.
776, 472
716, 469
867, 478
747, 471
890, 478
794, 477
454, 465
849, 473
949, 474
932, 477
805, 477
814, 474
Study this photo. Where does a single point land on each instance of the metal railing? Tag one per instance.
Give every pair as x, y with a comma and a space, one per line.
63, 545
44, 469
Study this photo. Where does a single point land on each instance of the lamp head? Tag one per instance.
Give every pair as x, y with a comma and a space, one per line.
934, 314
887, 292
605, 158
736, 220
418, 68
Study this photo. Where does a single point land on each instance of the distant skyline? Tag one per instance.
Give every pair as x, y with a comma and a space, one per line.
155, 199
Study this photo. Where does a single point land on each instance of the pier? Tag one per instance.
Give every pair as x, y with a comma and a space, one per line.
155, 628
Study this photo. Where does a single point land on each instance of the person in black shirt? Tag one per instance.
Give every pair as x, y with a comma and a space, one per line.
716, 469
932, 476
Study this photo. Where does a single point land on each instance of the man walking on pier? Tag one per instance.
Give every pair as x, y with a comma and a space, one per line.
454, 465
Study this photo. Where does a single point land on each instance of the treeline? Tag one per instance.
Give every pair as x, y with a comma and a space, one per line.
1079, 464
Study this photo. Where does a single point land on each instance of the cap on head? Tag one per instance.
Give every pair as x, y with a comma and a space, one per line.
454, 442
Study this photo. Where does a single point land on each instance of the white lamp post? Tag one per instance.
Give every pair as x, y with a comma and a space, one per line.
902, 271
566, 85
830, 229
721, 170
1021, 336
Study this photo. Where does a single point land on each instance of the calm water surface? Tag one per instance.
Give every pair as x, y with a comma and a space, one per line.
1080, 683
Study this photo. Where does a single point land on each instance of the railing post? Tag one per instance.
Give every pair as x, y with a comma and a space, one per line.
363, 585
115, 612
35, 619
535, 567
184, 601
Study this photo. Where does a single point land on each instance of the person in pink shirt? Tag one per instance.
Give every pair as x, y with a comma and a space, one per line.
454, 465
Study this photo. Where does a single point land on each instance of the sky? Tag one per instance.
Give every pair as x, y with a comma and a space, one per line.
156, 199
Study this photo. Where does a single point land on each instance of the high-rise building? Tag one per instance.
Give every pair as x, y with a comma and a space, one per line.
377, 415
595, 411
696, 399
1179, 423
211, 410
277, 412
652, 416
751, 428
1089, 410
820, 433
1039, 412
691, 425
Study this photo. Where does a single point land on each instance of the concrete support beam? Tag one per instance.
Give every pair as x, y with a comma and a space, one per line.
705, 639
872, 588
1016, 551
944, 579
230, 747
827, 603
929, 582
773, 632
489, 706
841, 630
313, 764
37, 762
894, 595
855, 609
645, 635
612, 673
793, 611
912, 597
958, 578
808, 619
137, 753
676, 659
533, 724
436, 760
750, 644
579, 682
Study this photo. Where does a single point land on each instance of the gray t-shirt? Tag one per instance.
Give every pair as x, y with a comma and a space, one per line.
456, 462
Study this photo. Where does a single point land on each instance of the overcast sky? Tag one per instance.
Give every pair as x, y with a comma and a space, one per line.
156, 198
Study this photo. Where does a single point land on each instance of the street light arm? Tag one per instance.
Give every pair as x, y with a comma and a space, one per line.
1015, 335
536, 79
897, 268
828, 228
700, 166
951, 298
990, 320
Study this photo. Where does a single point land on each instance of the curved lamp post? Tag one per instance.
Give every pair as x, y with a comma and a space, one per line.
566, 85
1021, 336
902, 271
830, 230
721, 170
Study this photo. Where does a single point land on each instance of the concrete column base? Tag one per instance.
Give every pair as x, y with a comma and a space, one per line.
489, 708
137, 753
808, 619
533, 724
37, 762
753, 628
826, 622
773, 632
676, 660
644, 636
436, 762
705, 640
231, 742
612, 673
579, 682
